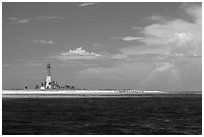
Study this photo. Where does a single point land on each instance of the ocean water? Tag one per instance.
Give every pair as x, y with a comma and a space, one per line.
102, 116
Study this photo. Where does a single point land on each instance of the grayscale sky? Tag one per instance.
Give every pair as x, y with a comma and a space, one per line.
148, 46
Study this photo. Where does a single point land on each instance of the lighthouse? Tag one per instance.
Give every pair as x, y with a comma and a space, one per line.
48, 77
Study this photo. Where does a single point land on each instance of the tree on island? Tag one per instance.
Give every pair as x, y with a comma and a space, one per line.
72, 87
67, 87
37, 86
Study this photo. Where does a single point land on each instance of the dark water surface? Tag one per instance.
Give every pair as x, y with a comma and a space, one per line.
107, 116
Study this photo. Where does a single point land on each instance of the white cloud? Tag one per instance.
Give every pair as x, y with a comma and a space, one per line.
164, 66
164, 77
164, 32
137, 28
183, 44
166, 40
119, 56
167, 44
127, 38
12, 18
180, 36
156, 17
142, 49
48, 17
195, 11
86, 4
23, 21
43, 41
28, 20
78, 53
120, 75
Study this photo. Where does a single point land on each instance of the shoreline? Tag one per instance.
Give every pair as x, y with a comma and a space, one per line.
97, 96
94, 94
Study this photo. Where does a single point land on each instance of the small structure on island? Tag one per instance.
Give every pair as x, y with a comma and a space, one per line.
49, 84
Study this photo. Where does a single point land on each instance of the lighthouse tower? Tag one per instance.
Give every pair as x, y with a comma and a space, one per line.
48, 77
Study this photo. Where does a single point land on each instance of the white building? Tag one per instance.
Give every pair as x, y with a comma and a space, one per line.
48, 77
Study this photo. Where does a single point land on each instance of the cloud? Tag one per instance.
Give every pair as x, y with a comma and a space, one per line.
164, 66
183, 44
23, 20
142, 49
137, 28
43, 41
48, 17
179, 36
166, 74
170, 50
194, 11
127, 38
28, 20
156, 17
161, 33
119, 56
81, 52
166, 40
78, 53
172, 40
119, 75
177, 43
12, 18
86, 4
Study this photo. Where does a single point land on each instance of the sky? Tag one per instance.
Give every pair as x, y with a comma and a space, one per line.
144, 46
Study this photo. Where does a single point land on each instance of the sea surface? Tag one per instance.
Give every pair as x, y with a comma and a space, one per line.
102, 116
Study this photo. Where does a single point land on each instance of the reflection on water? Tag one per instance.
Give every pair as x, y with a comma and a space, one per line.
148, 115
